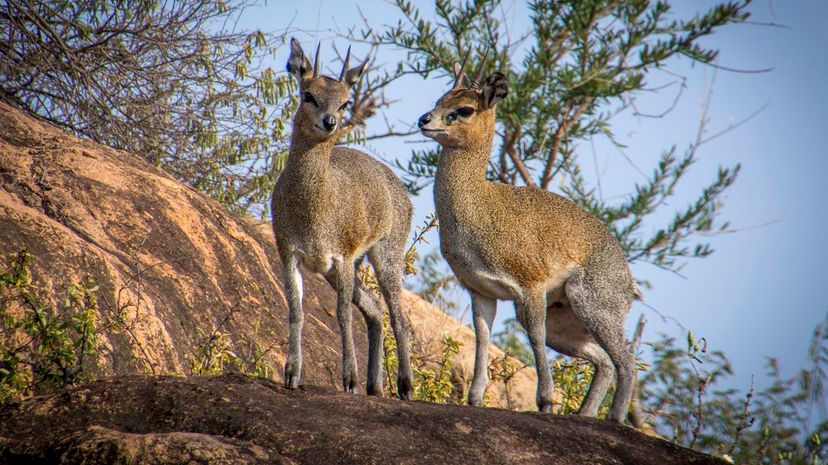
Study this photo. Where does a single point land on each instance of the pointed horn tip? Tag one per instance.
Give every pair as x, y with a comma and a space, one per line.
345, 63
458, 78
316, 60
476, 82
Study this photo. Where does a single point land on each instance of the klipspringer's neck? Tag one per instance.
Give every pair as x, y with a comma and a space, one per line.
309, 160
462, 170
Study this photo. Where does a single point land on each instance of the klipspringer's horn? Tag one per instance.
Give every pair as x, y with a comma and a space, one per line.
476, 83
345, 64
458, 72
316, 62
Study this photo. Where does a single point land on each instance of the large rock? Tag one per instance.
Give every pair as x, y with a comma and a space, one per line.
243, 420
175, 264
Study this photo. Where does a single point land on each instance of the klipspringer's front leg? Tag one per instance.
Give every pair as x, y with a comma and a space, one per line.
293, 293
344, 278
531, 310
483, 313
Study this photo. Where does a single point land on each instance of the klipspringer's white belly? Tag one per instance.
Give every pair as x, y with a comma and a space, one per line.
474, 274
490, 284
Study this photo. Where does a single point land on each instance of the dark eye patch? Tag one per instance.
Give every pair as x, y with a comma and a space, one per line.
465, 112
309, 99
345, 106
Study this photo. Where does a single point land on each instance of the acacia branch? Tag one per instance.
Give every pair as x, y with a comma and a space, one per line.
557, 139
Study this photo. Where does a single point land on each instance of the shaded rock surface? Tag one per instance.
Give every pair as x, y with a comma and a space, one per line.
175, 264
245, 420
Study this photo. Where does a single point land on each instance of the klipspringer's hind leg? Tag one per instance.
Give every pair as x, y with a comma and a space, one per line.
484, 310
372, 312
531, 311
387, 259
603, 316
342, 277
566, 334
293, 293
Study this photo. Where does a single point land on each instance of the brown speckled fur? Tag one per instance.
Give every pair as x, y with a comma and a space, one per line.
565, 272
331, 207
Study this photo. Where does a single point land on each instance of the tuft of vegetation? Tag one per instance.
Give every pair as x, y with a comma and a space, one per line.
432, 381
218, 352
502, 370
43, 346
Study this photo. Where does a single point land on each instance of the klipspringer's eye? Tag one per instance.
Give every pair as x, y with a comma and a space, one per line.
345, 106
309, 99
465, 112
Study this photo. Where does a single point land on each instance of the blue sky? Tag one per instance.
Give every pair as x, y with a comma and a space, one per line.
765, 288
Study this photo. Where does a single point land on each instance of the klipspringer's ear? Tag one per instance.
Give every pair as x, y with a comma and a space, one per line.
494, 90
352, 76
298, 64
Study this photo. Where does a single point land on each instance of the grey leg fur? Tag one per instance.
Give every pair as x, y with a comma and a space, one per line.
386, 258
293, 293
373, 321
484, 310
366, 304
344, 279
604, 317
601, 381
566, 334
531, 311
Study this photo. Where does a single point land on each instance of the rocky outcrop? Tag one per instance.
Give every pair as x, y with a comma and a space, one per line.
244, 420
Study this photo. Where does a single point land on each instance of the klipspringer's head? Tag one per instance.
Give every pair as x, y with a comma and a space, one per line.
465, 115
323, 99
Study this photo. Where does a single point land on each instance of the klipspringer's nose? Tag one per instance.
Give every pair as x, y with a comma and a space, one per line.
425, 119
329, 121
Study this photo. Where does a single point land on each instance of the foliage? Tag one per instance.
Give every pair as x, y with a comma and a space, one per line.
173, 82
43, 346
435, 385
502, 370
219, 353
432, 381
784, 423
580, 64
572, 378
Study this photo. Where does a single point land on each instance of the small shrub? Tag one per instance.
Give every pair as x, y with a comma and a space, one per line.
502, 370
431, 385
43, 347
218, 353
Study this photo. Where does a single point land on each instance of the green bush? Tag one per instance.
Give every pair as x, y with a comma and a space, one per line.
43, 346
218, 353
